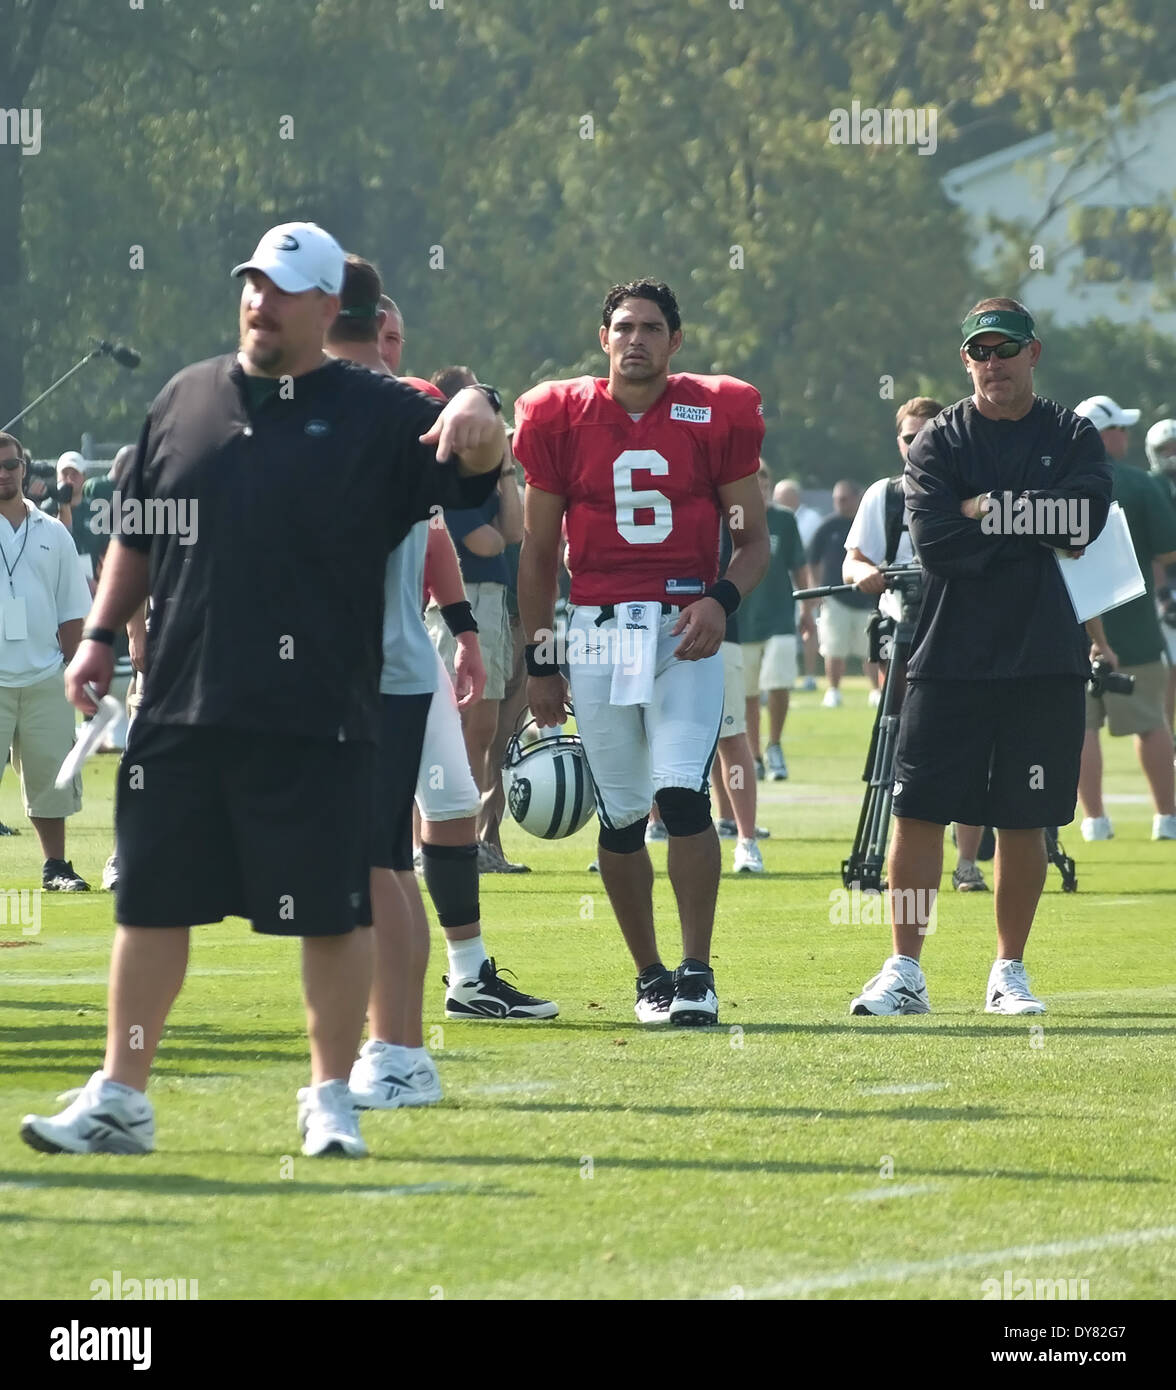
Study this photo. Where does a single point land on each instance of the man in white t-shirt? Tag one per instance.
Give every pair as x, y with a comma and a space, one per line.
43, 600
865, 550
786, 494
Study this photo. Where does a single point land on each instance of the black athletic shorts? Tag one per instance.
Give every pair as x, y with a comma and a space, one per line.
1004, 753
215, 823
398, 764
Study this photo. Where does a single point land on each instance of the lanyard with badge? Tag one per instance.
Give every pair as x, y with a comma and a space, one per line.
13, 617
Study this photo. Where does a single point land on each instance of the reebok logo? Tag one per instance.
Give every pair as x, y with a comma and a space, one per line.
692, 414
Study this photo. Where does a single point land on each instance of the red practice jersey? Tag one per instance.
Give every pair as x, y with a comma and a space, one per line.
642, 495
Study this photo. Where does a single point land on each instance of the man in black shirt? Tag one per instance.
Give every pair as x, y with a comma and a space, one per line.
244, 789
992, 726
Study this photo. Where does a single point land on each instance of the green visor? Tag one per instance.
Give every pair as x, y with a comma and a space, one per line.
1007, 321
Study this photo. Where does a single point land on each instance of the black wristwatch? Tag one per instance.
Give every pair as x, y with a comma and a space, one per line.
491, 394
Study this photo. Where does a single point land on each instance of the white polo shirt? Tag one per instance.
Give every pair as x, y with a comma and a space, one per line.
43, 561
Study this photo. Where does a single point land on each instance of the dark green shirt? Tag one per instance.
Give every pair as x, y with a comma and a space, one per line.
769, 610
1132, 629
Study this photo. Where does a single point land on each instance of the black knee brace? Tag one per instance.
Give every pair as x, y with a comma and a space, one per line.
626, 841
683, 812
451, 876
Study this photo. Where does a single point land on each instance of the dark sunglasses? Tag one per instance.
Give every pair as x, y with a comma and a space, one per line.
981, 352
11, 464
908, 439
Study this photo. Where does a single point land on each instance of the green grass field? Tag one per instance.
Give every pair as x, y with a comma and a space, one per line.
793, 1152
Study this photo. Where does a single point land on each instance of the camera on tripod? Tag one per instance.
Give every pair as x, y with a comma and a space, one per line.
1105, 680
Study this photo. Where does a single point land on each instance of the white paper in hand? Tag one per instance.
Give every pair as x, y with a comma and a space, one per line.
89, 739
1108, 574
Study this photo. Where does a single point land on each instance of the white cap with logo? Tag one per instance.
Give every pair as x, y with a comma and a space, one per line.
71, 459
1105, 414
298, 256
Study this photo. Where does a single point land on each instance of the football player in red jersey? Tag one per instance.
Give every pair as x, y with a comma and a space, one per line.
641, 463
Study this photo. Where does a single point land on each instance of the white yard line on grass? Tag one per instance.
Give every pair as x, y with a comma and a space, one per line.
895, 1272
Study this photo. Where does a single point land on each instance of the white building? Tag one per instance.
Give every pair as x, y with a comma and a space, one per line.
1085, 253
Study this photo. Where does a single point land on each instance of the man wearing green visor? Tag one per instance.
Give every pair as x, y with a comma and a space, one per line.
992, 725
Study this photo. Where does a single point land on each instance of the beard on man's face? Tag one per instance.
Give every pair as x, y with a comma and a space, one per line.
264, 358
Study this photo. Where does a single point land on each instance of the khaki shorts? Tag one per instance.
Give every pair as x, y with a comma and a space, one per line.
38, 722
734, 698
769, 665
842, 631
1137, 713
494, 635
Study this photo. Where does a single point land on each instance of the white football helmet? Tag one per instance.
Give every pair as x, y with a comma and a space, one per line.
548, 786
1162, 435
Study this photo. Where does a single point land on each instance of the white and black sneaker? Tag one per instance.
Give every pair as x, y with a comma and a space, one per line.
381, 1079
655, 994
58, 876
110, 873
776, 764
104, 1118
898, 988
695, 1003
1008, 990
490, 997
328, 1122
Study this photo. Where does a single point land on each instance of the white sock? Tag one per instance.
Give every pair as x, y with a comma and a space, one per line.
465, 958
120, 1088
910, 960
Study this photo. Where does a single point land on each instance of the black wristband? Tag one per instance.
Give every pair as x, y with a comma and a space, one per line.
725, 594
459, 618
98, 634
536, 667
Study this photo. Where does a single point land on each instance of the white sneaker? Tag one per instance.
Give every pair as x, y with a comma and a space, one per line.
898, 988
110, 874
1008, 990
328, 1123
381, 1081
1164, 827
1097, 828
655, 830
748, 859
105, 1118
832, 699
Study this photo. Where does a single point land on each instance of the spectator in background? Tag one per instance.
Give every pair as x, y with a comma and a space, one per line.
480, 536
514, 700
42, 605
787, 495
391, 341
767, 630
1160, 446
1129, 638
841, 624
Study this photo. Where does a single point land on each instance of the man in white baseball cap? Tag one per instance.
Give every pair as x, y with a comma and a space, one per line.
299, 256
1111, 421
1129, 637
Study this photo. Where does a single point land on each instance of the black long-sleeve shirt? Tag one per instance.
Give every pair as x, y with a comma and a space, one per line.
995, 606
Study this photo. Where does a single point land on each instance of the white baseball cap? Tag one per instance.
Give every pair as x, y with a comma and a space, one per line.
71, 459
298, 256
1105, 414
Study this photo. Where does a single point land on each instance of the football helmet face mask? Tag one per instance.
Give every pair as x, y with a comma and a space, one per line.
545, 775
1162, 435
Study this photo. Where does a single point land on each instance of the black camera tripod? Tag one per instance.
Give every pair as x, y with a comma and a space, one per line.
865, 867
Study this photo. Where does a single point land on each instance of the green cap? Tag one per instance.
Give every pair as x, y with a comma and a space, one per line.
1007, 321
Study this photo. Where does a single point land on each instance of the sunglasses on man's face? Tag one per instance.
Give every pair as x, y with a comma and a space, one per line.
909, 439
981, 352
12, 464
